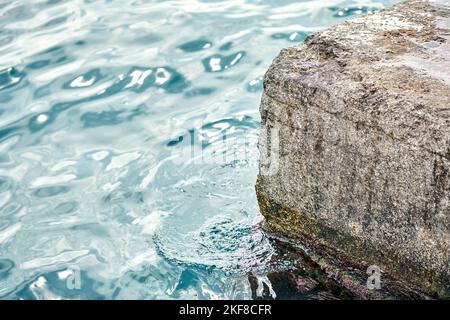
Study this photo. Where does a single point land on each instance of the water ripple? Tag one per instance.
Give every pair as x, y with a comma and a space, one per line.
5, 266
9, 78
195, 45
218, 62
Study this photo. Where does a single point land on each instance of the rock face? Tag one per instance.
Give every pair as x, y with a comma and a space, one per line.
355, 143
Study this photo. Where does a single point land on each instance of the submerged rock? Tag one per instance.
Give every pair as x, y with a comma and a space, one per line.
355, 144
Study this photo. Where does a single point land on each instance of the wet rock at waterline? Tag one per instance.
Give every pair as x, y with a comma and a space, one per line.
305, 276
355, 144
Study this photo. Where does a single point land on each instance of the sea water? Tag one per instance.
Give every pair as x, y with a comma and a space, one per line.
128, 143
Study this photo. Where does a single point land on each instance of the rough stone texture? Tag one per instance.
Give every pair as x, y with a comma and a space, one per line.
296, 275
363, 116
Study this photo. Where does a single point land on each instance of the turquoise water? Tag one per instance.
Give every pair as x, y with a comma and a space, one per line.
128, 134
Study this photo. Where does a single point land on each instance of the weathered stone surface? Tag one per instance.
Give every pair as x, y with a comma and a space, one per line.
362, 112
